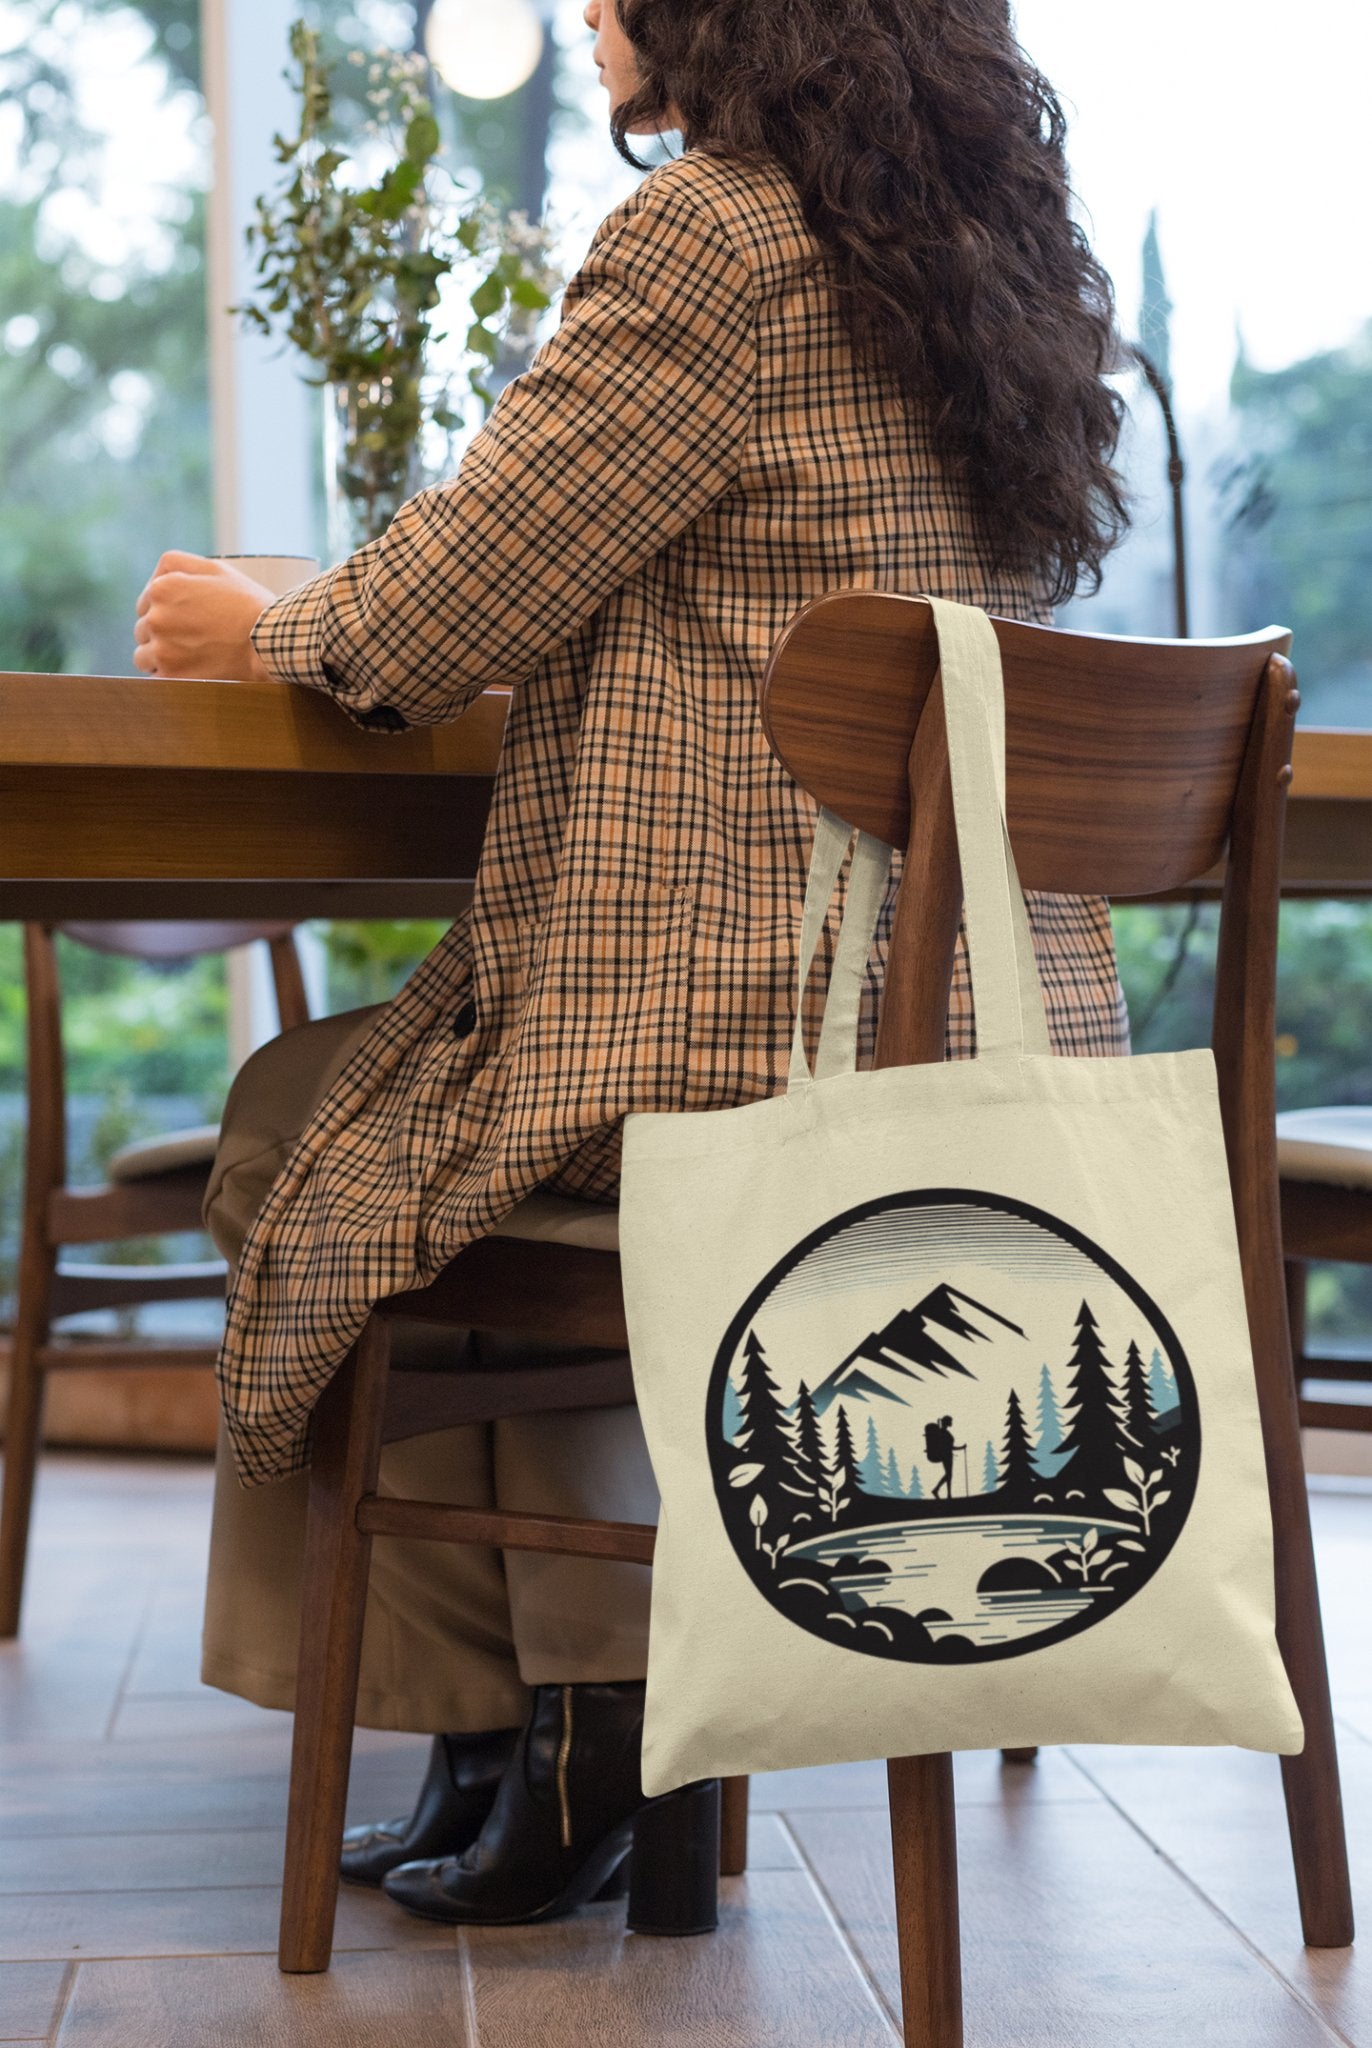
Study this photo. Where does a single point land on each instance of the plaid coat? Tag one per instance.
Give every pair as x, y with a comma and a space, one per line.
692, 457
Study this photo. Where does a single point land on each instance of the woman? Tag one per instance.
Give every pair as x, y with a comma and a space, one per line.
849, 337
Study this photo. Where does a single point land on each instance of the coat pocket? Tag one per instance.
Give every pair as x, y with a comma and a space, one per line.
603, 1028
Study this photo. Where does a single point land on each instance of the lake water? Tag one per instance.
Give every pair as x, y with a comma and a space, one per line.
939, 1564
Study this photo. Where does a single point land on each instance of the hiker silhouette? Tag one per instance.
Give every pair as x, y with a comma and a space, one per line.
940, 1449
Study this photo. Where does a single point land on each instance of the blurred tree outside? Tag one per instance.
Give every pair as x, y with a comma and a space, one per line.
1298, 544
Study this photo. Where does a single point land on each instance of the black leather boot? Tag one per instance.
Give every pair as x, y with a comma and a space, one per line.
458, 1792
569, 1810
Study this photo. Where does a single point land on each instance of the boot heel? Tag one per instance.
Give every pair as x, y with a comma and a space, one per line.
674, 1870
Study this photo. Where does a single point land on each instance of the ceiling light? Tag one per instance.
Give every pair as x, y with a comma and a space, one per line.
484, 49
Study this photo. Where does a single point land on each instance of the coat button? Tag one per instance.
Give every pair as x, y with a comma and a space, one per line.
464, 1023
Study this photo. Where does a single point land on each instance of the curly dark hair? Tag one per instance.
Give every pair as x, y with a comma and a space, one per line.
928, 154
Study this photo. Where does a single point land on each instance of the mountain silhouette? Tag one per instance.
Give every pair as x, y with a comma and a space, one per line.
909, 1348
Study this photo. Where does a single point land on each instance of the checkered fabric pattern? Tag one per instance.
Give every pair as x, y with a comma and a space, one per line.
692, 457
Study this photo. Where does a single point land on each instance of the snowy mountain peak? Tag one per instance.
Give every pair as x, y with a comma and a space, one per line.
917, 1344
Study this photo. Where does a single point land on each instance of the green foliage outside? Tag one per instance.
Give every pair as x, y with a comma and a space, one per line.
1299, 546
1324, 1051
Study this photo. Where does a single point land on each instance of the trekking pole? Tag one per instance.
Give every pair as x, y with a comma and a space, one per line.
966, 1483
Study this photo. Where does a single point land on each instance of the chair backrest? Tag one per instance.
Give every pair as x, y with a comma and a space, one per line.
1132, 767
46, 1136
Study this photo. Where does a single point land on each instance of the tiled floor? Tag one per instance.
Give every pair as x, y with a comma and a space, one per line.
1111, 1898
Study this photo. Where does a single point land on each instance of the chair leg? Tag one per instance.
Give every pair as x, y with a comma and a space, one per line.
924, 1846
733, 1829
1314, 1804
23, 1428
345, 1451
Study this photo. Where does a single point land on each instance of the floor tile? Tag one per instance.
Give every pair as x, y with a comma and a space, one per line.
774, 1975
1075, 1935
1219, 1815
29, 1998
236, 1920
365, 2001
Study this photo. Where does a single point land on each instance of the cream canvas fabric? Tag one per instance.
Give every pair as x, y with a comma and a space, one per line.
945, 1374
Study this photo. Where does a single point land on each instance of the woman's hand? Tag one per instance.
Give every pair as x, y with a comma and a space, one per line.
195, 618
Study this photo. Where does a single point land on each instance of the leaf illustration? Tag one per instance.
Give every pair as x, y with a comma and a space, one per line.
1113, 1569
757, 1512
1128, 1543
1154, 1477
1072, 1564
780, 1544
1119, 1499
1134, 1471
744, 1475
1159, 1498
1088, 1543
842, 1502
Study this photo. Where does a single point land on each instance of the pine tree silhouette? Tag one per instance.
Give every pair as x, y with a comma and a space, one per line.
1140, 1420
767, 1440
1093, 1429
893, 1485
1161, 1385
732, 1415
915, 1490
1017, 1461
810, 1460
990, 1471
871, 1469
845, 1465
1048, 1449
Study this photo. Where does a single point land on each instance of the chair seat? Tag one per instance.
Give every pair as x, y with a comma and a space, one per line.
171, 1153
556, 1220
1332, 1146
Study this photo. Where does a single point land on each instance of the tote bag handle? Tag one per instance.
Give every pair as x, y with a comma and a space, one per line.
1008, 996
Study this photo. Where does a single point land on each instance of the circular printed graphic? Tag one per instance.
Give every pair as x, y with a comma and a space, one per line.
948, 1428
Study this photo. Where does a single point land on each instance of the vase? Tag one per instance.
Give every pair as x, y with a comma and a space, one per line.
373, 457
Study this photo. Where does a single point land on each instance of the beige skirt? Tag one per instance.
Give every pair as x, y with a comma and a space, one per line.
454, 1634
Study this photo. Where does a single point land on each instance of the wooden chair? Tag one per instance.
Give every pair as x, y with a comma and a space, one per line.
1324, 1159
1132, 765
153, 1188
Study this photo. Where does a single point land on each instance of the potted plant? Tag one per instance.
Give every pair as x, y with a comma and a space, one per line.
353, 250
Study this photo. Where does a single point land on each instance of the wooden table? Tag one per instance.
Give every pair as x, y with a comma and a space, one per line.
129, 797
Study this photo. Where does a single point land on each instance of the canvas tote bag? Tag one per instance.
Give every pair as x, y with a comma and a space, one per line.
945, 1373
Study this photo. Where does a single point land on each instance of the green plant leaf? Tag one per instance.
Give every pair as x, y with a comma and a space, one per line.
488, 298
422, 138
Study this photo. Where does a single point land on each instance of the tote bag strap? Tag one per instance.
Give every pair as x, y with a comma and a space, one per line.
1006, 991
1005, 983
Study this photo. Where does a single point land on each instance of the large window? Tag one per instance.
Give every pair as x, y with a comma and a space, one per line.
104, 441
1219, 158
